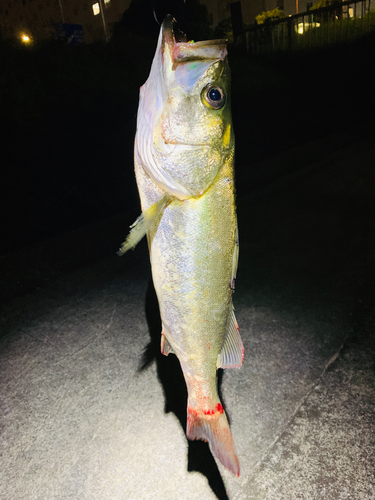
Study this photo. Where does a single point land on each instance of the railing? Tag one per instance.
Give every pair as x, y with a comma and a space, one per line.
316, 27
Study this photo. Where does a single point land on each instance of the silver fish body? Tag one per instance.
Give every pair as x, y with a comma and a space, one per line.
184, 160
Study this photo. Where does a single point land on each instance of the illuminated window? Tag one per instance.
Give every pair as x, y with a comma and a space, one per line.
107, 2
96, 9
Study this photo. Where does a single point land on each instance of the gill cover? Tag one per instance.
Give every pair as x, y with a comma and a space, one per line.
183, 127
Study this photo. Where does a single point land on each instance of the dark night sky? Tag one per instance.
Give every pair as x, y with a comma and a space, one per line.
143, 16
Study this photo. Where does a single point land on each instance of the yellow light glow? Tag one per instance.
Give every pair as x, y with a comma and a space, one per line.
96, 9
25, 38
301, 28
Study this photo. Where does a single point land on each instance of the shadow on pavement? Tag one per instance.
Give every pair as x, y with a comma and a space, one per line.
171, 378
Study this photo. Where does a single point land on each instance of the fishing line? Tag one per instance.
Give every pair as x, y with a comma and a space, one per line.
180, 10
154, 13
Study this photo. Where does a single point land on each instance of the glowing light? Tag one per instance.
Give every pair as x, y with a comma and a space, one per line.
25, 38
301, 28
96, 9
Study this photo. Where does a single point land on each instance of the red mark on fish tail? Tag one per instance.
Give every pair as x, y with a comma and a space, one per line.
219, 408
191, 410
209, 412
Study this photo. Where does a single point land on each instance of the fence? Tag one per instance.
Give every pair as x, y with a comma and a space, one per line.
316, 27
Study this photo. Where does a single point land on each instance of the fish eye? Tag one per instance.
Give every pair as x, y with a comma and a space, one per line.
214, 97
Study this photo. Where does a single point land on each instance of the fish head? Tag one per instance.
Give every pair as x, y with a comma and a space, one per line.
184, 125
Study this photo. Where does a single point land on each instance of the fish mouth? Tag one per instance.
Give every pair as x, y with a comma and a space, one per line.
182, 51
168, 70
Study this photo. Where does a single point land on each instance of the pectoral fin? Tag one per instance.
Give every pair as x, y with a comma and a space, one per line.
232, 352
143, 224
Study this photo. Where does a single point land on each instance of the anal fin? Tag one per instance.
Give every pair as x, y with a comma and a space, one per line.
165, 346
232, 351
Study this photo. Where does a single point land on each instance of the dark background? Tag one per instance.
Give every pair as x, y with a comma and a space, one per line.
69, 117
72, 322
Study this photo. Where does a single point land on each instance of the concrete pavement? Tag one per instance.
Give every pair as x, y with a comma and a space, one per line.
91, 410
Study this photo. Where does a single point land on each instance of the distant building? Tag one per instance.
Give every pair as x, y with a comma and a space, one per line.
37, 18
220, 9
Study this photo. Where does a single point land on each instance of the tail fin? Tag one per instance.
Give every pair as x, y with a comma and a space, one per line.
214, 428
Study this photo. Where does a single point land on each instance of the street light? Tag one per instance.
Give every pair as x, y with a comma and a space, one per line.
97, 9
104, 23
62, 12
26, 39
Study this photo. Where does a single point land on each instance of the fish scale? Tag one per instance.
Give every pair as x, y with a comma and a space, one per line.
184, 161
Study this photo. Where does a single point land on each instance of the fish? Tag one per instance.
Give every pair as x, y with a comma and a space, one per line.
184, 169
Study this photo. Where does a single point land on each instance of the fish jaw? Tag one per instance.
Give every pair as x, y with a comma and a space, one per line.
181, 142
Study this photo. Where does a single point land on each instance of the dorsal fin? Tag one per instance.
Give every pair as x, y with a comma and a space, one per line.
232, 352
